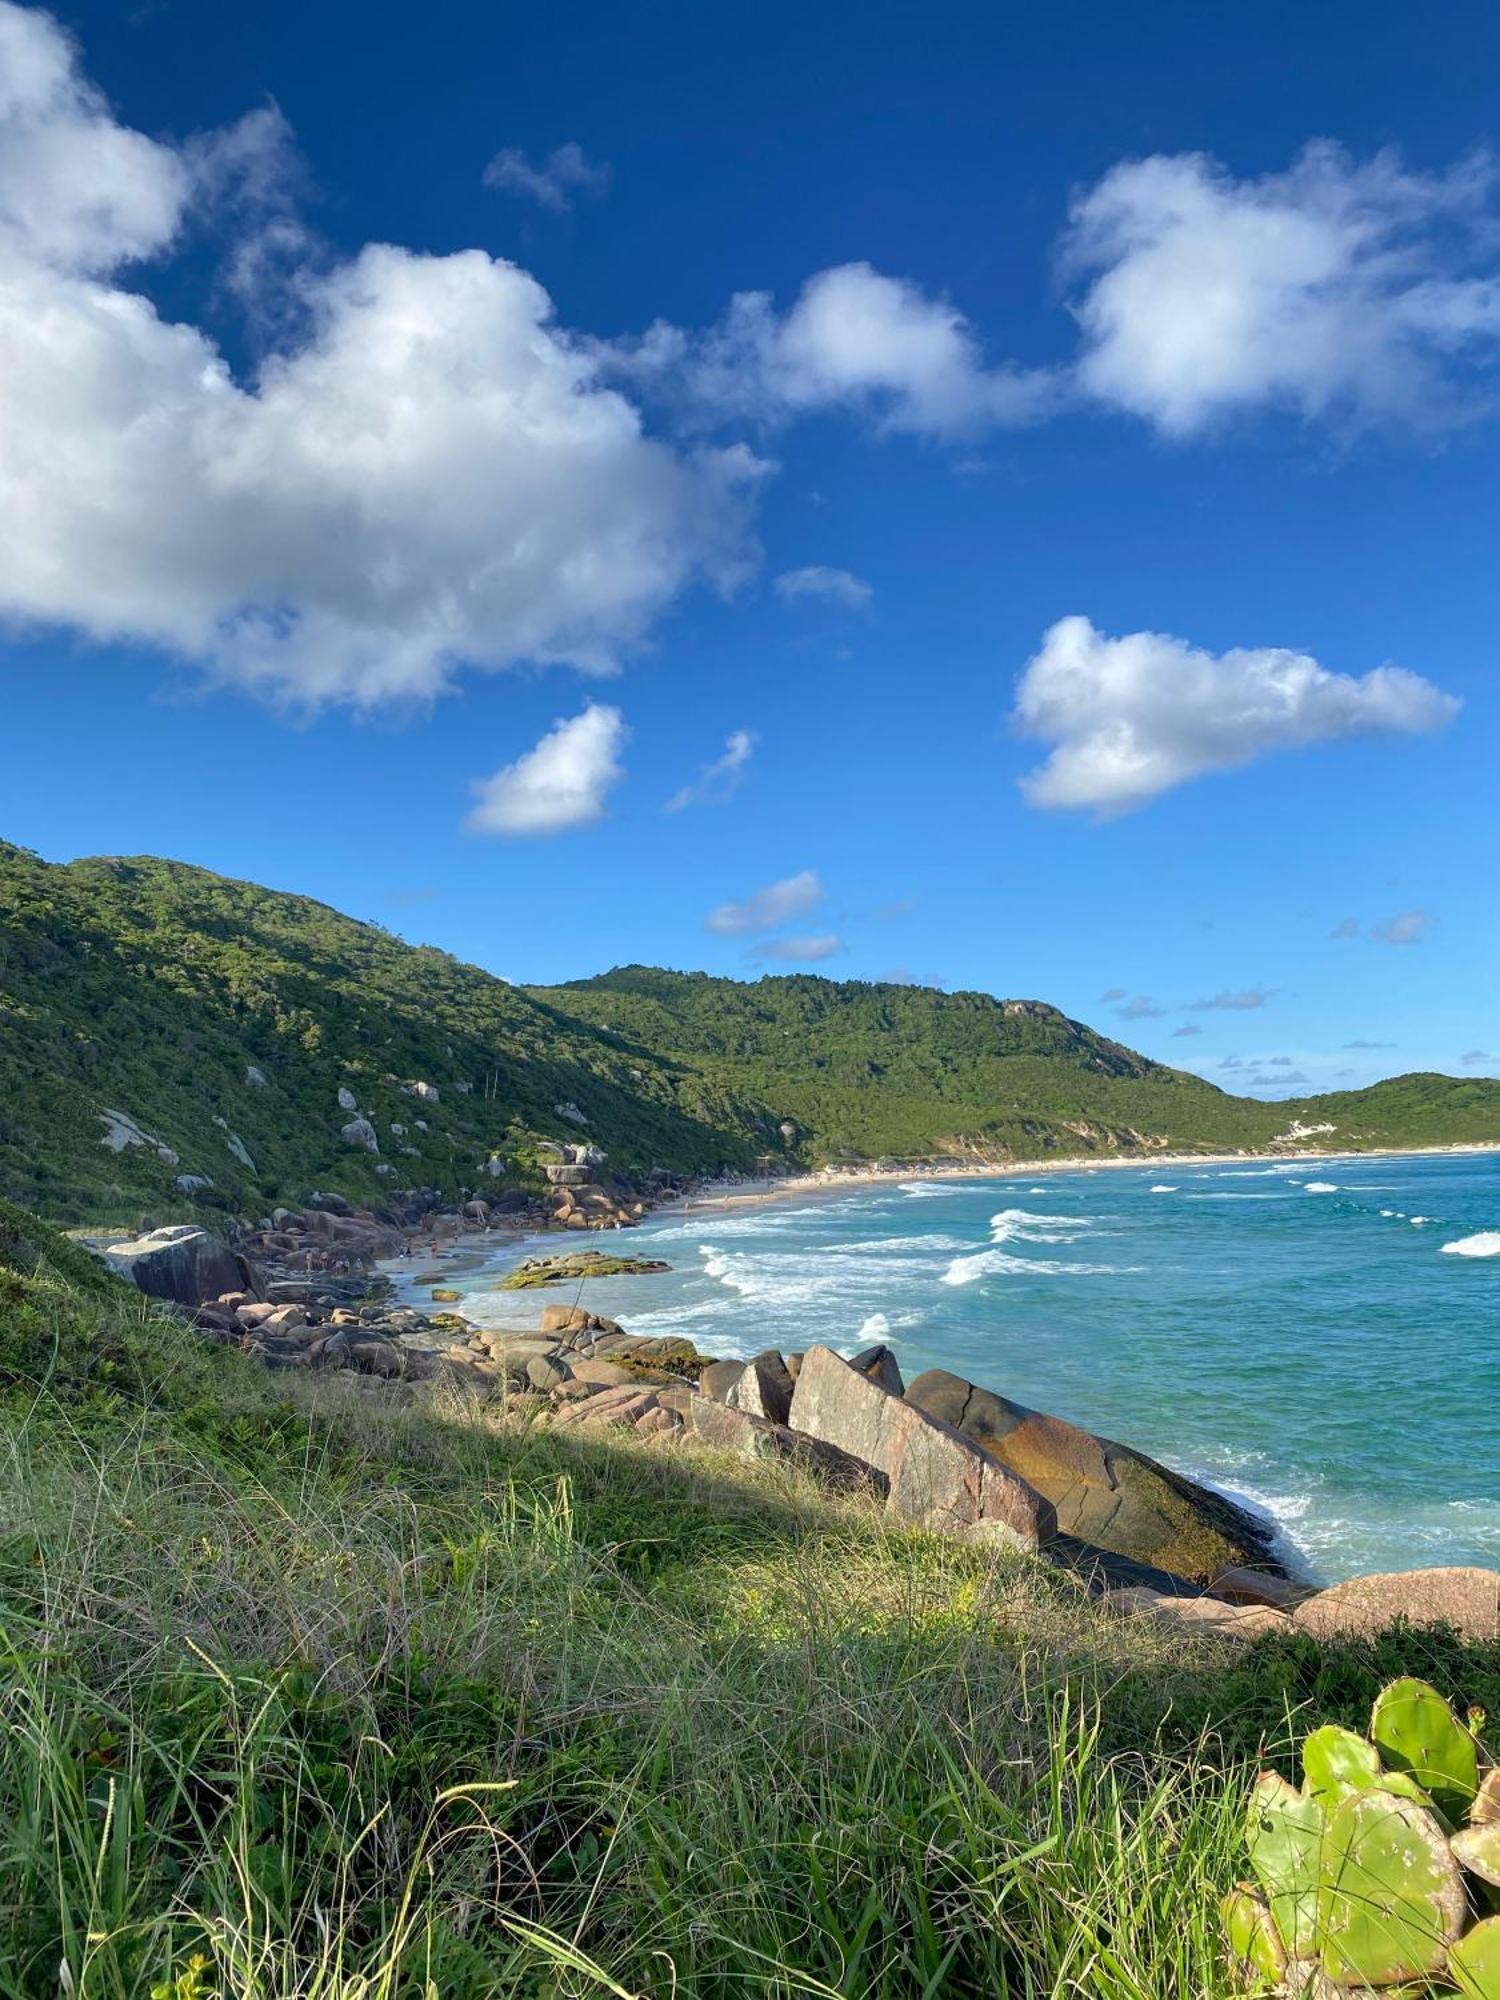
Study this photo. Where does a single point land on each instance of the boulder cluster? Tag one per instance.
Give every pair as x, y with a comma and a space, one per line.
940, 1453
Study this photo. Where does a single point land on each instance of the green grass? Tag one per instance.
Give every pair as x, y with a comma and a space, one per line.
350, 1699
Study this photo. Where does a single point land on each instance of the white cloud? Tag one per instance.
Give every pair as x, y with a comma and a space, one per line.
1338, 288
1477, 1057
560, 784
565, 171
1141, 1008
855, 339
1346, 927
768, 907
78, 192
799, 950
823, 585
1130, 718
1189, 1028
719, 780
433, 474
1410, 927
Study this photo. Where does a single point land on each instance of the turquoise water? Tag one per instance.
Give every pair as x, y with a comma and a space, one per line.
1321, 1337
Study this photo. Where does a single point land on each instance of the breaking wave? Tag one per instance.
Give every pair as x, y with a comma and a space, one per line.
1001, 1263
1484, 1243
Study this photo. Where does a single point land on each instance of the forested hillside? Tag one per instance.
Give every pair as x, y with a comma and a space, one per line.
172, 1040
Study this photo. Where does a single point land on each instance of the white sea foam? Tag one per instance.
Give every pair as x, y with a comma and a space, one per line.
1485, 1243
1001, 1263
1417, 1221
884, 1246
1022, 1225
1163, 1187
1388, 1211
876, 1327
1322, 1187
921, 1190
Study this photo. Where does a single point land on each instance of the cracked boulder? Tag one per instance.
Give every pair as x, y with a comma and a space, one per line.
1104, 1493
939, 1479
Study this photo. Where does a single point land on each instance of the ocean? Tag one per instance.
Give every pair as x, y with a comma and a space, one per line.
1318, 1337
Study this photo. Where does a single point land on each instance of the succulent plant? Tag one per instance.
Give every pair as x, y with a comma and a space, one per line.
1374, 1876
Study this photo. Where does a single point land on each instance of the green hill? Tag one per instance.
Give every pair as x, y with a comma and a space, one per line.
162, 1025
869, 1070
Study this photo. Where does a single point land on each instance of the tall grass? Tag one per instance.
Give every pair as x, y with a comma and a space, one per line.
306, 1694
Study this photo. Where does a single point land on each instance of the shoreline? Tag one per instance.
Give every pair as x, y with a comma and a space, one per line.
831, 1180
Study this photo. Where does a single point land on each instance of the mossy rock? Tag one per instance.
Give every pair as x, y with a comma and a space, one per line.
576, 1265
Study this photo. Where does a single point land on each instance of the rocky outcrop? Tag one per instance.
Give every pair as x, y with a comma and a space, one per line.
939, 1479
184, 1264
570, 1267
1104, 1493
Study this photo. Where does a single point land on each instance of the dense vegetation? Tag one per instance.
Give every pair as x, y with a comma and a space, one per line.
308, 1693
224, 1019
866, 1070
152, 989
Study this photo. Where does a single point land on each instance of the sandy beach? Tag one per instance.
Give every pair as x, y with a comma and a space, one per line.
834, 1180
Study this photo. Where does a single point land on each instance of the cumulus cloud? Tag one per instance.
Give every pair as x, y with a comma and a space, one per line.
1480, 1057
823, 585
1141, 1008
1189, 1028
1340, 288
720, 779
558, 785
799, 950
855, 339
1130, 718
434, 473
1410, 927
566, 171
1346, 927
769, 907
1111, 994
1243, 1001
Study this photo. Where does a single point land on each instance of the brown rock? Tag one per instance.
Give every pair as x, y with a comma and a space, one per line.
545, 1375
718, 1378
939, 1479
1104, 1493
1468, 1600
1256, 1586
1201, 1614
723, 1429
603, 1374
763, 1388
878, 1364
607, 1410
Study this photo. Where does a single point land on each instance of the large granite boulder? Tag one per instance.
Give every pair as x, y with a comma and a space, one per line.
763, 1388
1467, 1600
182, 1263
1104, 1493
939, 1479
745, 1436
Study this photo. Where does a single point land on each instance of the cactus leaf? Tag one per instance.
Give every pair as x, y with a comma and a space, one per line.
1417, 1732
1390, 1897
1478, 1849
1256, 1953
1284, 1834
1335, 1762
1474, 1962
1486, 1807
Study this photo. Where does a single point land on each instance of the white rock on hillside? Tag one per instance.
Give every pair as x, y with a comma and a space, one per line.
122, 1131
360, 1132
347, 1100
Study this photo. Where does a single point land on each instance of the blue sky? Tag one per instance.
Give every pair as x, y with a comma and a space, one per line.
1072, 561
